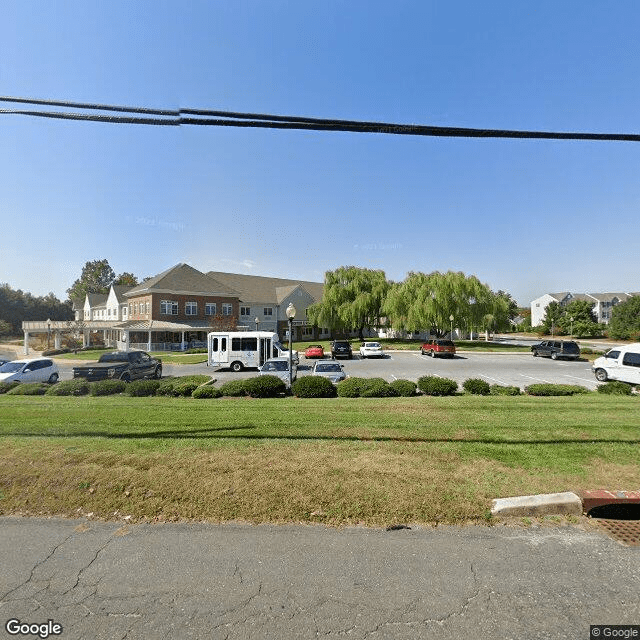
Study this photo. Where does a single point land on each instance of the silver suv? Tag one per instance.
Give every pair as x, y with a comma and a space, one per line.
556, 349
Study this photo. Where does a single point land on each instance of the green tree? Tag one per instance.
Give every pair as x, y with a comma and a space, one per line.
5, 328
352, 300
584, 321
427, 301
18, 306
552, 316
97, 276
625, 319
126, 279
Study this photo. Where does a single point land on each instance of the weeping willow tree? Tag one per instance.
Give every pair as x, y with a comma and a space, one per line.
428, 301
352, 300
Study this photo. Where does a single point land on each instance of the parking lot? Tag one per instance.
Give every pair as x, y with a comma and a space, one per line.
496, 368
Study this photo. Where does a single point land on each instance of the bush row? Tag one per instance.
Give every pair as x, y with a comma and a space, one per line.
201, 386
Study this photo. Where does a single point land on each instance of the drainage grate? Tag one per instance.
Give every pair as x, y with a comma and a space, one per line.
620, 521
625, 531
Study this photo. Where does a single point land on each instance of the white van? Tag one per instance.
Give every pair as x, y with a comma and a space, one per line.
620, 363
240, 349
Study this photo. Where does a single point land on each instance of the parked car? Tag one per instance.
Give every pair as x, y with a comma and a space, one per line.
331, 369
32, 370
556, 349
371, 350
279, 367
121, 365
621, 363
437, 347
314, 351
341, 349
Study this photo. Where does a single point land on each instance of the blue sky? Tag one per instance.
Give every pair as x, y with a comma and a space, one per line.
525, 216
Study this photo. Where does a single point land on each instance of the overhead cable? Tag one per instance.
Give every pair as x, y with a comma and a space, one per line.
208, 117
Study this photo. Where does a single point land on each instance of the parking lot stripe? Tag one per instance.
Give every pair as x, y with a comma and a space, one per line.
532, 378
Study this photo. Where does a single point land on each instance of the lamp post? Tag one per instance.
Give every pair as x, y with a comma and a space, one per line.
291, 314
451, 321
257, 321
48, 333
571, 320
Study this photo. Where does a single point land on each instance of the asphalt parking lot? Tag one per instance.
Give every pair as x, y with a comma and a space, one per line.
496, 368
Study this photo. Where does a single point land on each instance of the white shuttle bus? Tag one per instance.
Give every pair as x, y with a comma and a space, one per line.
244, 349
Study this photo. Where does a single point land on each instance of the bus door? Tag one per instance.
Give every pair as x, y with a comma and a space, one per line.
265, 350
220, 348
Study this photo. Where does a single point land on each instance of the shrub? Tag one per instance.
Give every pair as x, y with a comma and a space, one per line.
55, 352
29, 389
476, 386
615, 387
434, 386
264, 386
206, 391
376, 388
168, 386
139, 388
233, 388
7, 386
78, 387
351, 387
313, 387
197, 350
184, 389
107, 387
404, 388
547, 389
500, 390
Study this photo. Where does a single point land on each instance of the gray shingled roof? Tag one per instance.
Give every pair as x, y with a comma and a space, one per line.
183, 278
254, 289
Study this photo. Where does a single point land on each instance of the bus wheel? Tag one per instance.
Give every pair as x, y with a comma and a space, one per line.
236, 366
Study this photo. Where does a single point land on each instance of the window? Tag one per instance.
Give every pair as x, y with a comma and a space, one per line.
191, 308
168, 307
135, 308
148, 308
227, 309
307, 331
125, 309
245, 311
244, 344
267, 311
210, 309
631, 359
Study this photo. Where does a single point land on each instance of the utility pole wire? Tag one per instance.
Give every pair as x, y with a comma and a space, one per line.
207, 117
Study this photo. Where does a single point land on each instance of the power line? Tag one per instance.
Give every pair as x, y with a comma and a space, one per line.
207, 117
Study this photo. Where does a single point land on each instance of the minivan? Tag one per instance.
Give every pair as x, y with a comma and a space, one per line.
620, 363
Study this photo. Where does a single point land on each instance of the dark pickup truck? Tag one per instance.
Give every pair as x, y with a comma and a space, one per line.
121, 365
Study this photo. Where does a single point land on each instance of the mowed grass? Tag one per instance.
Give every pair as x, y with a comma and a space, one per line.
335, 461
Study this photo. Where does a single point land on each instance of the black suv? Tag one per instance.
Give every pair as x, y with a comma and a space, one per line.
555, 349
341, 349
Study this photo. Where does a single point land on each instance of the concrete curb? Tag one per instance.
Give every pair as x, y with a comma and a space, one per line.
566, 503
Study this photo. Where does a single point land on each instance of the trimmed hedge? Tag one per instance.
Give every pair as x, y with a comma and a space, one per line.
29, 389
233, 389
547, 389
377, 388
264, 387
181, 386
476, 386
78, 387
351, 387
206, 391
404, 388
107, 387
434, 386
500, 390
7, 386
140, 388
615, 387
313, 387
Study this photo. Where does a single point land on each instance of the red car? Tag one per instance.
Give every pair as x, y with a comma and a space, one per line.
444, 348
314, 351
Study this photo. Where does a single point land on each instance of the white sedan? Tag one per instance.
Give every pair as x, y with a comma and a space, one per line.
33, 370
371, 350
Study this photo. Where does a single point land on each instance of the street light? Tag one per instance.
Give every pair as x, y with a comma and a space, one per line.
257, 321
291, 314
451, 320
571, 319
48, 334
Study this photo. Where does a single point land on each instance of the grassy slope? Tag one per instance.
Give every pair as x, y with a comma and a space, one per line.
339, 461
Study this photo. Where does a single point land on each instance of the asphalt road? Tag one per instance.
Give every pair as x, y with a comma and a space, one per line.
111, 581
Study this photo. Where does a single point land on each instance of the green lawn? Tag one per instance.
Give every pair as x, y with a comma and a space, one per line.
165, 356
336, 461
